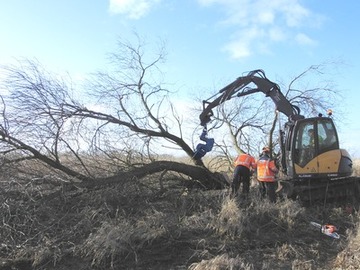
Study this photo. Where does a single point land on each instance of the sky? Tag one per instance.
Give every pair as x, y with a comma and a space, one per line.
209, 43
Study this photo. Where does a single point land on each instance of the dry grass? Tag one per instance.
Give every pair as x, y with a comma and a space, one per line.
349, 258
235, 219
222, 262
120, 237
356, 167
147, 225
229, 219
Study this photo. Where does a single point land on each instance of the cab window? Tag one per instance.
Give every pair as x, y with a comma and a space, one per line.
328, 139
304, 143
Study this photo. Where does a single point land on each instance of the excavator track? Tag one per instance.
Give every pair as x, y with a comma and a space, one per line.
315, 191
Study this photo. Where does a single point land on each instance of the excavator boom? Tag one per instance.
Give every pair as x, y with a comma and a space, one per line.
241, 87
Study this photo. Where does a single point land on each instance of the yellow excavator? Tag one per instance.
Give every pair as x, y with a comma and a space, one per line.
310, 158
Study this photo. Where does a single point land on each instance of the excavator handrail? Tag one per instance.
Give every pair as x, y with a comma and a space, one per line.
239, 88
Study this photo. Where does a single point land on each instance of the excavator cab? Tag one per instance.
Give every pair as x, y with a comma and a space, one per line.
314, 152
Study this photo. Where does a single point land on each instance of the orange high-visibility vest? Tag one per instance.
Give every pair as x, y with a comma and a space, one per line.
266, 169
245, 160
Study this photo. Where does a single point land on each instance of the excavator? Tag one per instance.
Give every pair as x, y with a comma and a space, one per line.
313, 165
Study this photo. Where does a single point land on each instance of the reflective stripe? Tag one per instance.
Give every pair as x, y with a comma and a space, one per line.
267, 178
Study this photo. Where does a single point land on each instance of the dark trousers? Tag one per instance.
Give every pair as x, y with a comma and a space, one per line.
267, 189
241, 175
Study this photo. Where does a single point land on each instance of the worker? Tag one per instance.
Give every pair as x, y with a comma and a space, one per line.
266, 170
311, 136
244, 166
201, 149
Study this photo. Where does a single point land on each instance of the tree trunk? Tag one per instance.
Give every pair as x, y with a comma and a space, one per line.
206, 178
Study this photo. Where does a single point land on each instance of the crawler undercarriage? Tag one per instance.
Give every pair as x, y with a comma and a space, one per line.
311, 191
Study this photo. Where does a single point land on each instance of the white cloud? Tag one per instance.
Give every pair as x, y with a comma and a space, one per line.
277, 34
238, 49
133, 9
240, 46
275, 21
303, 39
295, 14
266, 17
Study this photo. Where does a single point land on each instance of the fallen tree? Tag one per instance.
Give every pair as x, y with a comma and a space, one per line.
126, 113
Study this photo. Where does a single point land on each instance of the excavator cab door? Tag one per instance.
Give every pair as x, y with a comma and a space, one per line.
315, 147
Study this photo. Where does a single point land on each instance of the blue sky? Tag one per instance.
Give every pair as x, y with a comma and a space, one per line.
209, 42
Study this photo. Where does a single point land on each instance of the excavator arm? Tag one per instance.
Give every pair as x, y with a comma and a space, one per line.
241, 87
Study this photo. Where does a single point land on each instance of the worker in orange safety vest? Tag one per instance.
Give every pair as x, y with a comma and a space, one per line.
266, 170
244, 165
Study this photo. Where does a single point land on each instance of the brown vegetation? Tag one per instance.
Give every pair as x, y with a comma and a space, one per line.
158, 223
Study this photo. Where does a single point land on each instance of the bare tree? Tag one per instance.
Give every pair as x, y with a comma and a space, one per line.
311, 91
252, 120
42, 120
116, 129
